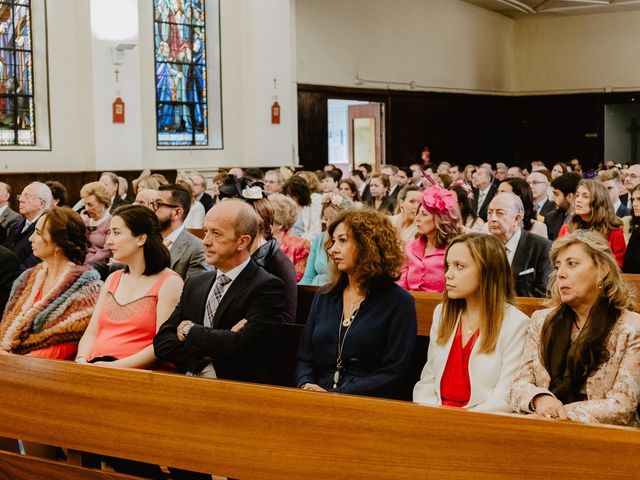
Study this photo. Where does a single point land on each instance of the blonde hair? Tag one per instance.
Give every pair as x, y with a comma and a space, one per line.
495, 290
614, 287
602, 219
98, 190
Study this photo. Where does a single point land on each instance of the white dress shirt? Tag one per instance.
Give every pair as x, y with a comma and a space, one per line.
512, 245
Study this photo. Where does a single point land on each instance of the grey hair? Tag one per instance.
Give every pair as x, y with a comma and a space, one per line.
517, 204
44, 193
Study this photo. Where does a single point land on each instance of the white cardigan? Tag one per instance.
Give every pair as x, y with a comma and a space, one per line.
491, 374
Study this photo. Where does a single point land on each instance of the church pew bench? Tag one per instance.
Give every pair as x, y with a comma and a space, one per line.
249, 431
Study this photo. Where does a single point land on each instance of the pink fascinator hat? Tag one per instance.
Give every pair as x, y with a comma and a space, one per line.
439, 201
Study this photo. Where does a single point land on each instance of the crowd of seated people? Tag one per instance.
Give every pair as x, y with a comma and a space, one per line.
122, 285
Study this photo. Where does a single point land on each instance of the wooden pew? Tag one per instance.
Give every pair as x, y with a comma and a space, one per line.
248, 431
426, 303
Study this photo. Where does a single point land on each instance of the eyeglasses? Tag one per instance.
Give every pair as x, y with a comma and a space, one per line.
27, 197
533, 183
634, 176
156, 204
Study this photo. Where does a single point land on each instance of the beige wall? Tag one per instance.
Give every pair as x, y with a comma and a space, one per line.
445, 44
579, 52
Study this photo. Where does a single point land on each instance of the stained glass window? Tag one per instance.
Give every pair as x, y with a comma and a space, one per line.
17, 118
181, 73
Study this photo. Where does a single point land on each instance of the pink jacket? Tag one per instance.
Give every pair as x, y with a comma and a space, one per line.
420, 272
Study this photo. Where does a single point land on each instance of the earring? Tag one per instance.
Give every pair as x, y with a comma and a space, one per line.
600, 284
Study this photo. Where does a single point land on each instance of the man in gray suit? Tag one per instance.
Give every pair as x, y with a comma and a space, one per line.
172, 203
8, 218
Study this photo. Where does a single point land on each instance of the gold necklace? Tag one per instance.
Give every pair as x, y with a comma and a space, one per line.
349, 315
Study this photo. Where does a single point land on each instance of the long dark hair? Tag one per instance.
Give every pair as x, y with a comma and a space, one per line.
142, 221
464, 202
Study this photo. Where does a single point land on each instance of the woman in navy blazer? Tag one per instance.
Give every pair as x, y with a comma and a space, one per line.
477, 335
361, 329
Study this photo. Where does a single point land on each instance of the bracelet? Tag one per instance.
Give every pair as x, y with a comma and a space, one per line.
80, 360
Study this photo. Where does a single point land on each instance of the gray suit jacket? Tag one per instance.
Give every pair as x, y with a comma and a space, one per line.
8, 220
187, 255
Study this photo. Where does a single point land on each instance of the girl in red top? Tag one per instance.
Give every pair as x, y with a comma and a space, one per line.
136, 300
594, 211
477, 335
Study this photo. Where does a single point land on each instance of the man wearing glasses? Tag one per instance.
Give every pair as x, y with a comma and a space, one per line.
33, 201
172, 204
539, 183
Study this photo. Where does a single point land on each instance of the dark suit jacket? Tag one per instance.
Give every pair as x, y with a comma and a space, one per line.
117, 202
187, 255
18, 242
9, 271
547, 207
531, 265
624, 199
394, 193
8, 221
247, 355
482, 213
207, 201
554, 221
622, 211
366, 194
632, 256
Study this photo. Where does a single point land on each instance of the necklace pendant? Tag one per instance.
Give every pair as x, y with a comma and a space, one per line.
347, 321
336, 378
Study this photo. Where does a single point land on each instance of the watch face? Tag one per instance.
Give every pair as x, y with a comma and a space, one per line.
186, 328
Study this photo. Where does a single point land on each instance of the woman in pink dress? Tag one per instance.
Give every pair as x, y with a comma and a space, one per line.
437, 223
134, 301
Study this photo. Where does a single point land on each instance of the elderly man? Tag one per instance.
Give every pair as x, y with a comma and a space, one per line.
483, 191
199, 184
528, 253
33, 201
145, 197
110, 180
228, 321
171, 204
273, 182
9, 219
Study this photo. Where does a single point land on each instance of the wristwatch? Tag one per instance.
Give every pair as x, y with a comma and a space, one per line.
186, 328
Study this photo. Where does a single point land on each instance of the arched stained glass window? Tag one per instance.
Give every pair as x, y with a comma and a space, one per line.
17, 117
180, 73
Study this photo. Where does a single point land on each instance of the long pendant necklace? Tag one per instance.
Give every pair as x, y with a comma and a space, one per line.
346, 322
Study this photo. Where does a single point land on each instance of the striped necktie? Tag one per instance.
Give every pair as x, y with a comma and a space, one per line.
214, 299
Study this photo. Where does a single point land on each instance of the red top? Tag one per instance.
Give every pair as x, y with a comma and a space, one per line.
616, 242
455, 386
60, 351
126, 329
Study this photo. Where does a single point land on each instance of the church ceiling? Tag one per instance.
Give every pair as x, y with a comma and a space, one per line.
519, 8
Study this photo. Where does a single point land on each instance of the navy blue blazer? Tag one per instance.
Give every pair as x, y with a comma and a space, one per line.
377, 348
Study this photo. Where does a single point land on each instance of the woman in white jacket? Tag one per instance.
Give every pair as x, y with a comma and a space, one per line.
477, 335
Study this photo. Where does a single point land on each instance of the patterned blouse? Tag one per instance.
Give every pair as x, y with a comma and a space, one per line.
613, 390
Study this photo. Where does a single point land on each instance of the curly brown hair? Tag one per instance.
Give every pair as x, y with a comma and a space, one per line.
379, 250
